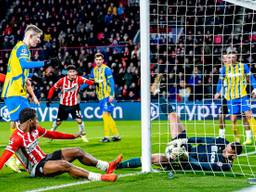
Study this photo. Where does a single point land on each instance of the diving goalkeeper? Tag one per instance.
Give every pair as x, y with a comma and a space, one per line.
197, 153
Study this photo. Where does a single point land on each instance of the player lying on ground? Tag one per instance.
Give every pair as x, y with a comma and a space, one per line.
208, 154
69, 101
196, 153
24, 142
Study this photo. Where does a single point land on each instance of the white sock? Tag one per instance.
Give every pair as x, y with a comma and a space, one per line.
81, 127
222, 133
94, 176
54, 126
102, 165
248, 134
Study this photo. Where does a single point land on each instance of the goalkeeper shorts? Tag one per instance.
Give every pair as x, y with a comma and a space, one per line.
182, 135
106, 106
238, 106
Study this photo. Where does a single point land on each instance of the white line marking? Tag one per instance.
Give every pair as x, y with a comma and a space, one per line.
76, 183
247, 154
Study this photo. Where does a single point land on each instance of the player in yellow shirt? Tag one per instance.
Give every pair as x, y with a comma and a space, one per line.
105, 90
235, 76
16, 84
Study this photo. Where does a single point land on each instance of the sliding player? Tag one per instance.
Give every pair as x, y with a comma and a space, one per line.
196, 153
105, 90
235, 76
69, 102
24, 142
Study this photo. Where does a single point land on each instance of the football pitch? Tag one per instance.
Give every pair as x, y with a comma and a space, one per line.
130, 146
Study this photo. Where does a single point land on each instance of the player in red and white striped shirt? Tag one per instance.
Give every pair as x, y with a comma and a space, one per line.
24, 142
69, 101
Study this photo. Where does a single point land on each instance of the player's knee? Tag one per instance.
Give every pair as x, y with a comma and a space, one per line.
79, 121
78, 152
65, 165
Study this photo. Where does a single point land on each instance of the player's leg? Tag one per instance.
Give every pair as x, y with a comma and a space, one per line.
103, 105
234, 109
112, 124
77, 116
62, 115
71, 154
222, 115
248, 131
14, 106
62, 166
249, 116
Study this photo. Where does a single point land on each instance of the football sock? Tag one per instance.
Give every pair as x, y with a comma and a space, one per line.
94, 176
54, 126
102, 165
106, 125
81, 127
252, 123
248, 134
113, 126
222, 133
131, 163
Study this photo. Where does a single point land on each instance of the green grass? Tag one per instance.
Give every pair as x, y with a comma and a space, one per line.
130, 146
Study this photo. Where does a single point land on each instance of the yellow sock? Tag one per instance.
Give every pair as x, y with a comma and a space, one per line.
12, 127
113, 128
252, 123
106, 125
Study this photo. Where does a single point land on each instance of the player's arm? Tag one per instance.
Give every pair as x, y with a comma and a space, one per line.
207, 166
220, 83
83, 80
111, 83
206, 140
23, 56
56, 135
31, 92
247, 71
57, 85
15, 143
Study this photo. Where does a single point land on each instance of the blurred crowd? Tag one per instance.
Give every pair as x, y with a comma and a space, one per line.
199, 31
187, 40
74, 31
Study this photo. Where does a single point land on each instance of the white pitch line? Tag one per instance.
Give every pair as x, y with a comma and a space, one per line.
247, 154
76, 183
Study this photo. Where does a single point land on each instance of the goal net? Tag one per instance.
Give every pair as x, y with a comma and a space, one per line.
188, 39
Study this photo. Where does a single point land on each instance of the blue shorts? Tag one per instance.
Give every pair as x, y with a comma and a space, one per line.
15, 105
105, 106
238, 106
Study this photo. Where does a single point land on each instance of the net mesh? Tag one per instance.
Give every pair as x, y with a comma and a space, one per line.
187, 40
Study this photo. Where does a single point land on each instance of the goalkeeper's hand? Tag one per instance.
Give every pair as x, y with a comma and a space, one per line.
54, 61
178, 142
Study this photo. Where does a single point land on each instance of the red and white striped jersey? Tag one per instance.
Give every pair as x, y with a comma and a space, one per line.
69, 90
26, 146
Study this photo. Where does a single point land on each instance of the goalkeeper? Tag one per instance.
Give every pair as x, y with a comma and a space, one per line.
197, 153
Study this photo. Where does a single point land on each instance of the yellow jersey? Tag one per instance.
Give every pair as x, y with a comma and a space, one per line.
103, 78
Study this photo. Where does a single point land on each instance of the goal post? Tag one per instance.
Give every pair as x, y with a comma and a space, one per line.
145, 86
184, 40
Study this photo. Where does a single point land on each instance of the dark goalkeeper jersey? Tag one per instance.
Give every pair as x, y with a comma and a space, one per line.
206, 154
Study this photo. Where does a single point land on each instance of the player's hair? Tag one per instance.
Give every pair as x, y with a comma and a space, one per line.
27, 114
34, 29
71, 67
237, 147
99, 55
